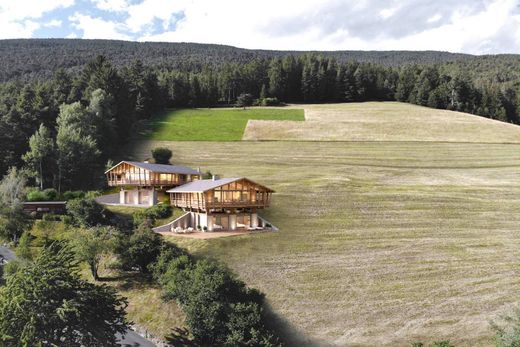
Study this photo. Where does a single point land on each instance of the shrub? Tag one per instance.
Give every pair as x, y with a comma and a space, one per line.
51, 217
507, 329
13, 267
270, 102
86, 212
162, 155
220, 310
244, 100
13, 222
151, 214
71, 195
140, 249
49, 194
23, 249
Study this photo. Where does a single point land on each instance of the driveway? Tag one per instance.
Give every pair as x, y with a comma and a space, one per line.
132, 339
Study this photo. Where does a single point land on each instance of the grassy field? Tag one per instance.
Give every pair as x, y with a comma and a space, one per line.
381, 242
383, 121
223, 124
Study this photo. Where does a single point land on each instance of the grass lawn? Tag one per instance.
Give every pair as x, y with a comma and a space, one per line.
128, 211
214, 124
380, 242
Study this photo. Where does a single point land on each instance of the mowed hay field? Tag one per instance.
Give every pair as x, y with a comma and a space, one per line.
382, 121
380, 243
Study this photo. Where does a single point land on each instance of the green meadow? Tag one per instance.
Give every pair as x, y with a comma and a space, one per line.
381, 243
225, 124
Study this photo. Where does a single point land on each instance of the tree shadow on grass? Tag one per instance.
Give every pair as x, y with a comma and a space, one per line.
129, 280
288, 333
180, 337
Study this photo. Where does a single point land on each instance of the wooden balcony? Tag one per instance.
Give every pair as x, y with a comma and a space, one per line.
204, 206
145, 182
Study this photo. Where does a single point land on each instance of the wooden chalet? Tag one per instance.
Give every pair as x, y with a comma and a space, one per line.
142, 182
222, 204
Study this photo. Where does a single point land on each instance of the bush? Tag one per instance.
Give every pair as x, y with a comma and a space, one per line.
42, 195
244, 100
140, 249
13, 222
507, 329
86, 212
13, 267
51, 217
23, 249
270, 102
151, 214
162, 155
72, 195
220, 310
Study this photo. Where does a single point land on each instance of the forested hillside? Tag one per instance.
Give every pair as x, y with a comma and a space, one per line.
64, 109
35, 58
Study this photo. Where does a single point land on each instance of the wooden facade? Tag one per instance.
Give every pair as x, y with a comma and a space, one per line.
41, 207
238, 194
127, 174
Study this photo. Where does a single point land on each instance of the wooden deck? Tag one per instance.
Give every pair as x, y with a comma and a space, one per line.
210, 235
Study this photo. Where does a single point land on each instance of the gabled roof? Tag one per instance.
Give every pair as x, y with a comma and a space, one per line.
201, 186
160, 168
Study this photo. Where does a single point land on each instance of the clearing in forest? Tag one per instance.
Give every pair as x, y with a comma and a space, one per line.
381, 242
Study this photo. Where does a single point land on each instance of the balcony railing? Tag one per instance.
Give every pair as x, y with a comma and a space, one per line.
218, 204
143, 182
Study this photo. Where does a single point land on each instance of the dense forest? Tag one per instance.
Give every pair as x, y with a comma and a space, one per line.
40, 58
67, 105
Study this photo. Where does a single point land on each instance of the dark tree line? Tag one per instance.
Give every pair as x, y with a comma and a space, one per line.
30, 59
66, 128
317, 79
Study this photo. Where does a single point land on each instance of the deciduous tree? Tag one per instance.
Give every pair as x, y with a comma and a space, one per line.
47, 304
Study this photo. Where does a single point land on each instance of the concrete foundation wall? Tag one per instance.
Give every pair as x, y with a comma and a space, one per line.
138, 196
195, 219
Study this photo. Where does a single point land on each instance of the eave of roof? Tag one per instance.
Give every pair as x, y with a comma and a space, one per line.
159, 168
201, 186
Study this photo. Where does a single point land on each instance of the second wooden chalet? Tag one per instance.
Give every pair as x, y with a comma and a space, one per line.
142, 183
221, 204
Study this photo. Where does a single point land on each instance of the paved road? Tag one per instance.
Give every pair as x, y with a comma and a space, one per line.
131, 338
6, 254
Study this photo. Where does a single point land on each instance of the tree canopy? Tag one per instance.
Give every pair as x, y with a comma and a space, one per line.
46, 303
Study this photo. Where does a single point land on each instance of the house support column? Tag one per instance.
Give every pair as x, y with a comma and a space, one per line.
122, 196
210, 222
203, 220
135, 196
254, 218
233, 221
152, 199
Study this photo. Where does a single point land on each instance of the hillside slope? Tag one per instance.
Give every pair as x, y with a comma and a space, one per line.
32, 58
383, 121
380, 243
